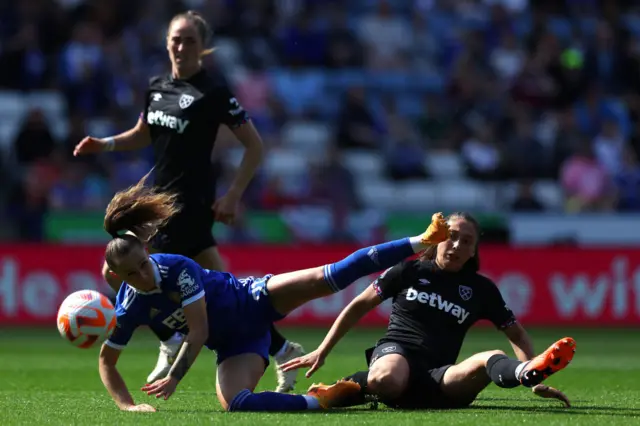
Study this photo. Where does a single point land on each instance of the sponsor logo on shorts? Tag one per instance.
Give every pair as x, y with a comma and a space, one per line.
388, 349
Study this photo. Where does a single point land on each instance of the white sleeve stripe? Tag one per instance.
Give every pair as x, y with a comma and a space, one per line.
193, 298
114, 345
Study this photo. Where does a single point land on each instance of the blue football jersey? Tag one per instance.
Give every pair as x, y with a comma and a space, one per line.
237, 309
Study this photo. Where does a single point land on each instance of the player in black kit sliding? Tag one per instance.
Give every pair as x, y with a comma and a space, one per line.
436, 299
182, 114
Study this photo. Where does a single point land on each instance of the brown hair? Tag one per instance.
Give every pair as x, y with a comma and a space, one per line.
471, 265
202, 27
139, 210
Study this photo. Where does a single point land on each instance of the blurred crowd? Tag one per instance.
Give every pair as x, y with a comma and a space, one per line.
514, 90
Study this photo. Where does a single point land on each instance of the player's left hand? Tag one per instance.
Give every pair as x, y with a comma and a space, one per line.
161, 388
225, 208
545, 391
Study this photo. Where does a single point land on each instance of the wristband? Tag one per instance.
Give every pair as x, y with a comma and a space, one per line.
109, 143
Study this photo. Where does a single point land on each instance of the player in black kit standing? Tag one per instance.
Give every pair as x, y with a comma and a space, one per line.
436, 299
183, 111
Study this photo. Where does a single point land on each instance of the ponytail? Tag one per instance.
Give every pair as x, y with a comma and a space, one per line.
207, 52
133, 217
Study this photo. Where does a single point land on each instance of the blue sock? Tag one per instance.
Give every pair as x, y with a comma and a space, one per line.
370, 260
271, 401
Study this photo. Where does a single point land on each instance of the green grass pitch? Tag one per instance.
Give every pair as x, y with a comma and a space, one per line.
44, 380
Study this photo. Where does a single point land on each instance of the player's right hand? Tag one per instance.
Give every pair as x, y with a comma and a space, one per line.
314, 359
89, 145
141, 408
545, 391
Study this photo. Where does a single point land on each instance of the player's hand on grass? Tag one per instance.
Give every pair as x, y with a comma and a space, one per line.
89, 145
314, 359
161, 388
545, 391
141, 408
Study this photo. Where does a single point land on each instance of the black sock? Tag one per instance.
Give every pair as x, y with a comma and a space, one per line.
277, 341
502, 371
360, 378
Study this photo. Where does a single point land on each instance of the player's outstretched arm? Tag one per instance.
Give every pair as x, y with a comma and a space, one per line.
135, 138
196, 316
349, 317
114, 382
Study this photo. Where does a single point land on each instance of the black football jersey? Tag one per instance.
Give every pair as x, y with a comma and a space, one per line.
184, 117
433, 310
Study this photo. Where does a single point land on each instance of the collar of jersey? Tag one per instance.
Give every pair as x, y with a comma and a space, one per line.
156, 275
193, 77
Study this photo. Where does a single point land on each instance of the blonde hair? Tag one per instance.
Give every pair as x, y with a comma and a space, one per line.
206, 52
133, 217
202, 27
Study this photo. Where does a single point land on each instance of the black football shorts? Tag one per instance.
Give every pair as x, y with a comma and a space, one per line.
423, 391
188, 233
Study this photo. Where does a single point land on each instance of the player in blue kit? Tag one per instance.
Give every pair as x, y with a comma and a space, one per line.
226, 314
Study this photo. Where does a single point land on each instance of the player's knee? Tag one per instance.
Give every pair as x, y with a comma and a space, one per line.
488, 354
384, 383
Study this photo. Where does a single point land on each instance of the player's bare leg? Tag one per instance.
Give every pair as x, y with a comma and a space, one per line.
281, 349
290, 290
237, 379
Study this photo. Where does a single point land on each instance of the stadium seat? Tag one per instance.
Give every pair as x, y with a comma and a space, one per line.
228, 51
365, 164
464, 194
13, 105
416, 195
632, 23
387, 81
409, 104
427, 82
100, 127
52, 104
8, 131
378, 194
550, 194
444, 164
285, 163
298, 90
559, 26
343, 79
309, 137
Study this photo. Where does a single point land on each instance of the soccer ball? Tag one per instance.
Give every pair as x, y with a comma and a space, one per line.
85, 318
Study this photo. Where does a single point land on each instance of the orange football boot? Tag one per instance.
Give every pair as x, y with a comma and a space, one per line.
330, 396
554, 359
437, 231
